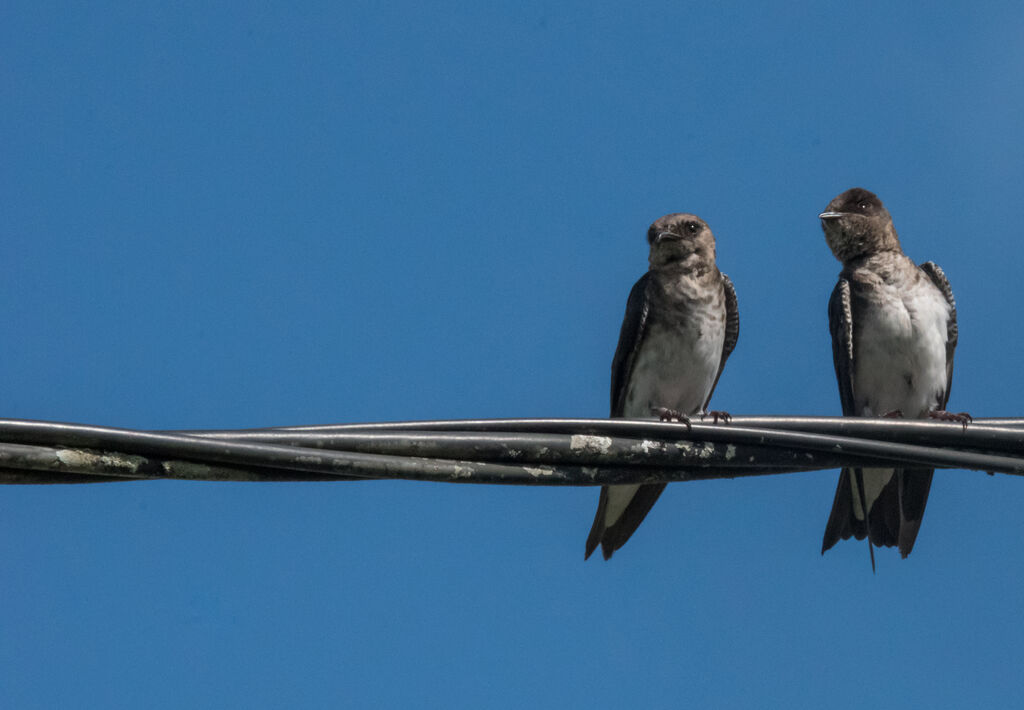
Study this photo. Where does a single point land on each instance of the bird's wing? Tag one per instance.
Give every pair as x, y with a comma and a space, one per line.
630, 337
840, 324
938, 277
732, 331
843, 522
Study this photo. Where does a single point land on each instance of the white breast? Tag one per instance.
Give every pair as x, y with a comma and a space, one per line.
676, 366
900, 350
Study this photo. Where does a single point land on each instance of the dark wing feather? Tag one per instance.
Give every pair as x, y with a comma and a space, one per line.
630, 337
914, 484
732, 331
840, 520
938, 277
597, 529
842, 523
613, 537
840, 324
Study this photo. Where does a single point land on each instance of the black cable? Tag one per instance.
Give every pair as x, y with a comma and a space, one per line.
518, 451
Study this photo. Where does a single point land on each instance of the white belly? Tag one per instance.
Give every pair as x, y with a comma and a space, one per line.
900, 354
675, 368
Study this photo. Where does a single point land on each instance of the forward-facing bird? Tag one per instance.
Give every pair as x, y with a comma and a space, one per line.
894, 331
681, 324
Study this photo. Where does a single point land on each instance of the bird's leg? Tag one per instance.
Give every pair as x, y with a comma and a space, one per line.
893, 414
671, 415
716, 414
943, 416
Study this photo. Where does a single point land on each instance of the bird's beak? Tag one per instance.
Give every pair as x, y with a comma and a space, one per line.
666, 235
831, 215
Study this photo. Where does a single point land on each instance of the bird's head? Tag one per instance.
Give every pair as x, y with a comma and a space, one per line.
856, 223
683, 238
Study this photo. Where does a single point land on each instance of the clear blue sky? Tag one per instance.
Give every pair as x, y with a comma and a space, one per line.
216, 216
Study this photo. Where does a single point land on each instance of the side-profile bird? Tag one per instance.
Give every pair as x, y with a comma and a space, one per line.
894, 331
681, 324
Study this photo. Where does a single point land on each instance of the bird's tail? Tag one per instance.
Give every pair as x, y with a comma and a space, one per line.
613, 534
884, 505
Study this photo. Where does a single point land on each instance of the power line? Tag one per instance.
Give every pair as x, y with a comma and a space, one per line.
504, 451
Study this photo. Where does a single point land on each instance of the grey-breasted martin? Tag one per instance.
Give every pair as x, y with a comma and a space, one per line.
894, 331
681, 324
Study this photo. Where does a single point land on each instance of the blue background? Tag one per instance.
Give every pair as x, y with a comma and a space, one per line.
225, 216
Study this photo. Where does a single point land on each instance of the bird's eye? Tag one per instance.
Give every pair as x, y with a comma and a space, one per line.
692, 227
862, 205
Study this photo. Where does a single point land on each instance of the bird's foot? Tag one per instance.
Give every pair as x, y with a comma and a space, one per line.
671, 415
893, 414
716, 415
943, 416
